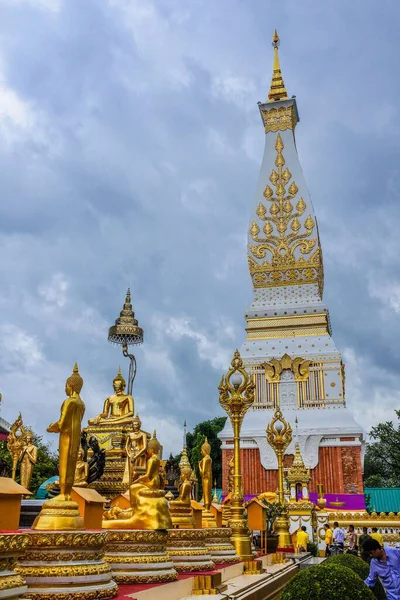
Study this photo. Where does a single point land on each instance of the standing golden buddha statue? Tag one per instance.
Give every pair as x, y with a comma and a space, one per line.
205, 468
28, 458
135, 448
181, 508
60, 512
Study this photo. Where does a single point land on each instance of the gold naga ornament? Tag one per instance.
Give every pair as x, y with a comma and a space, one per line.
60, 512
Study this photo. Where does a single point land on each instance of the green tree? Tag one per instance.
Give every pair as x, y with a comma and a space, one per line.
45, 467
195, 440
382, 457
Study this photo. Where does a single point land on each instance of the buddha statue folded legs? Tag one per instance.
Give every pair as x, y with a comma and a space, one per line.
149, 505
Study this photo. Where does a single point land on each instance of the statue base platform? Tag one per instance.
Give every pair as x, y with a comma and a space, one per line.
139, 556
12, 546
65, 565
181, 515
187, 550
111, 438
208, 519
57, 514
218, 542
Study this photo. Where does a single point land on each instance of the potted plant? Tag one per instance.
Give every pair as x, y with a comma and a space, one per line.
273, 511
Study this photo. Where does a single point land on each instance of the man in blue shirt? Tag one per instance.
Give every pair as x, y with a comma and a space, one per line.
385, 564
338, 535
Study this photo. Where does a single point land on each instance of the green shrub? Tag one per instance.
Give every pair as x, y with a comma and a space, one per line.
358, 566
313, 548
331, 581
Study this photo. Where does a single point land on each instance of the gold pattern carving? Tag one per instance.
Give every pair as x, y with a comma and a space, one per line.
68, 570
284, 235
101, 594
278, 119
14, 581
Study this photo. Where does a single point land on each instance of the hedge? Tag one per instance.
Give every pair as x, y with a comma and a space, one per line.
330, 582
358, 566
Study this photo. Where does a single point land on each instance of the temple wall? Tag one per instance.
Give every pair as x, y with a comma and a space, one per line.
339, 470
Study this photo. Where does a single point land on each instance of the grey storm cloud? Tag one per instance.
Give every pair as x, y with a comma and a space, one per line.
130, 143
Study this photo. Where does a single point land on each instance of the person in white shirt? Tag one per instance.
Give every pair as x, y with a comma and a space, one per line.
338, 535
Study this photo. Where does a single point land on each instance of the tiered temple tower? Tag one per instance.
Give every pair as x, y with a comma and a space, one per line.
289, 348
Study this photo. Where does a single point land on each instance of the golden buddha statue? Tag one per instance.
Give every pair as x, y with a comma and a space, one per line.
149, 506
181, 508
28, 458
205, 468
118, 408
81, 471
135, 448
60, 512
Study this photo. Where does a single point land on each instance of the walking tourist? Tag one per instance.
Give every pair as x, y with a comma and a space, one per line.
351, 540
385, 564
302, 539
328, 539
338, 535
377, 536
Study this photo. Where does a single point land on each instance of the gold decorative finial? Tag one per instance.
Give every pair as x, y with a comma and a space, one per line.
277, 90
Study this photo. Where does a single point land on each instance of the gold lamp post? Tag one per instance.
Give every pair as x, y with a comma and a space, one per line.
279, 436
236, 395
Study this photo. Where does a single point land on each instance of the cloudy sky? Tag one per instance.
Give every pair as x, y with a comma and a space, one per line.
130, 144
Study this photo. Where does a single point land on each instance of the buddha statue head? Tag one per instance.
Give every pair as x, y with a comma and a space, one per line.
74, 382
136, 423
119, 383
154, 446
186, 474
206, 448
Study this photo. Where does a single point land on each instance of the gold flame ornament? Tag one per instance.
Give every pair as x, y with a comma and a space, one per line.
236, 395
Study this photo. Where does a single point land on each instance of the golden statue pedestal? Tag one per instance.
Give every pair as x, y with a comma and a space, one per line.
111, 438
139, 556
12, 546
187, 550
181, 515
218, 542
208, 519
66, 565
56, 513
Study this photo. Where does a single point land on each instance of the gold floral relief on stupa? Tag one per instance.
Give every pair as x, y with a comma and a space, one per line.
287, 250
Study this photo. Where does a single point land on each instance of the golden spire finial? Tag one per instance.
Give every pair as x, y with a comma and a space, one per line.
277, 90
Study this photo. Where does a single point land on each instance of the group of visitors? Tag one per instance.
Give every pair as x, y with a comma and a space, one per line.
384, 561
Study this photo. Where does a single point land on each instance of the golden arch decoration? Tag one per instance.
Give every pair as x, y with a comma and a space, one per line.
299, 366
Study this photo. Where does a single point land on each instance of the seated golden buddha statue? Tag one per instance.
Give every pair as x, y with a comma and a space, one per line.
181, 508
118, 408
149, 506
81, 471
